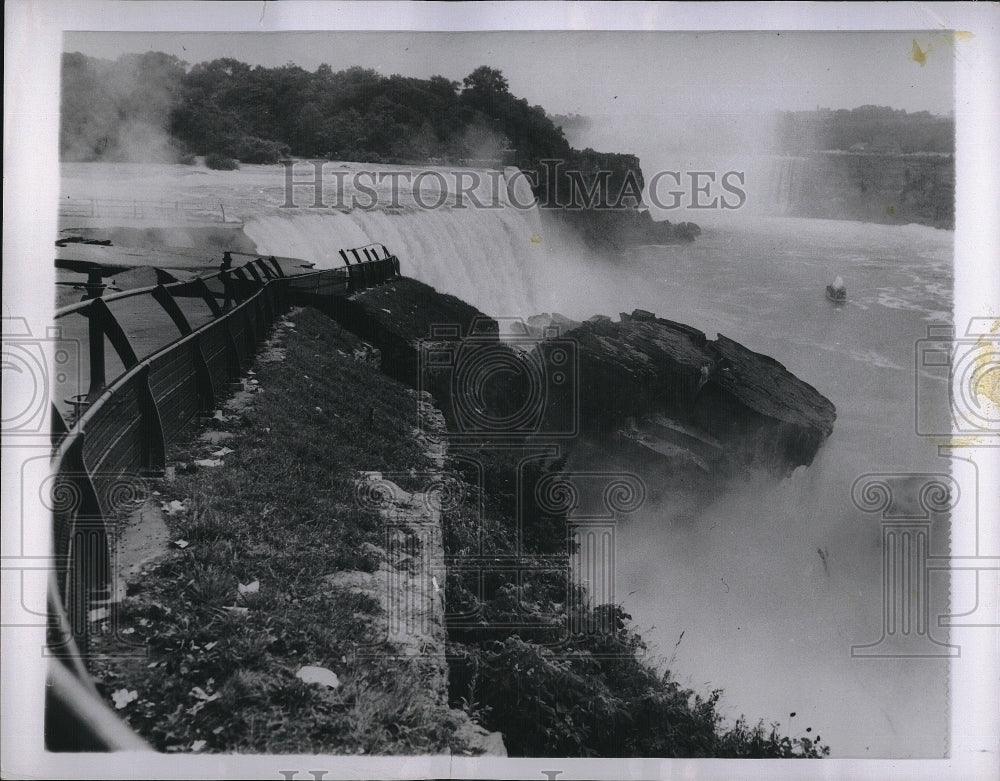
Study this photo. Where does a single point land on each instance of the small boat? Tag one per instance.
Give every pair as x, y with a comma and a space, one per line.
837, 292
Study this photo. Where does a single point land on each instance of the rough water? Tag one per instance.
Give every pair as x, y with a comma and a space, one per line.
771, 583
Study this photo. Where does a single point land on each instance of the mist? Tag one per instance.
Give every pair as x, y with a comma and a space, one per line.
129, 120
745, 143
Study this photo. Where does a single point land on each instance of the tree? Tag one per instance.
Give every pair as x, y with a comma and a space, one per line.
485, 80
485, 89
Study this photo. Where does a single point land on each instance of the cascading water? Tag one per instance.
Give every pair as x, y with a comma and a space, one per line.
497, 256
779, 182
487, 258
785, 182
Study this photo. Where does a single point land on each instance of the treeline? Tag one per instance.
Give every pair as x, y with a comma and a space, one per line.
152, 106
867, 128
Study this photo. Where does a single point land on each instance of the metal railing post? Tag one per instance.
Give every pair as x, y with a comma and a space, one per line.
239, 290
96, 360
249, 267
162, 296
154, 450
207, 296
111, 328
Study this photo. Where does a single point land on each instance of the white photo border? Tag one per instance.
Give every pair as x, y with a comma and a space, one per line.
33, 44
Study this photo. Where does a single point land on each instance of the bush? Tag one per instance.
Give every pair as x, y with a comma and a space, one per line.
219, 162
588, 693
594, 696
251, 149
187, 158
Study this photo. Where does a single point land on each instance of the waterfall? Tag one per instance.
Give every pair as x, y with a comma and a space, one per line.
486, 258
507, 261
783, 178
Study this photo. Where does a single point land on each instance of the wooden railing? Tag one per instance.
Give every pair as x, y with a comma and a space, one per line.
116, 434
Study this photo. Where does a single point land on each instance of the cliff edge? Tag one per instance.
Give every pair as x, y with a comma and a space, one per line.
649, 381
668, 384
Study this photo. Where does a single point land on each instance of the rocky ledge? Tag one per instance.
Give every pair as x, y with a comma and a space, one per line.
665, 385
621, 229
644, 382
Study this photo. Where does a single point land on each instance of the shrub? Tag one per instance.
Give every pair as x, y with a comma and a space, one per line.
251, 149
219, 162
594, 696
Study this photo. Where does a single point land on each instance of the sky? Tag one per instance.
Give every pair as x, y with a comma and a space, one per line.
610, 72
697, 99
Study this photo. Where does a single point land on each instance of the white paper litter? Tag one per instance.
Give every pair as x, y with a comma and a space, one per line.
201, 694
123, 697
320, 675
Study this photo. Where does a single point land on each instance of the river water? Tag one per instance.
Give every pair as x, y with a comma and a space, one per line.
773, 583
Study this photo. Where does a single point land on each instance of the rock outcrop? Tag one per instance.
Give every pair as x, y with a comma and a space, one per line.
643, 370
661, 384
408, 583
620, 229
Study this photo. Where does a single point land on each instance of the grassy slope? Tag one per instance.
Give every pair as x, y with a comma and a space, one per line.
320, 417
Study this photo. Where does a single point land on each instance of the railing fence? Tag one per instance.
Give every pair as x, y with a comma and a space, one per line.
120, 429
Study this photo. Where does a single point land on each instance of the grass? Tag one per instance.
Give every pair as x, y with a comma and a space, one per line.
281, 510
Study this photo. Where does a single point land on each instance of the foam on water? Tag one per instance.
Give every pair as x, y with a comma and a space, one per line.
468, 254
